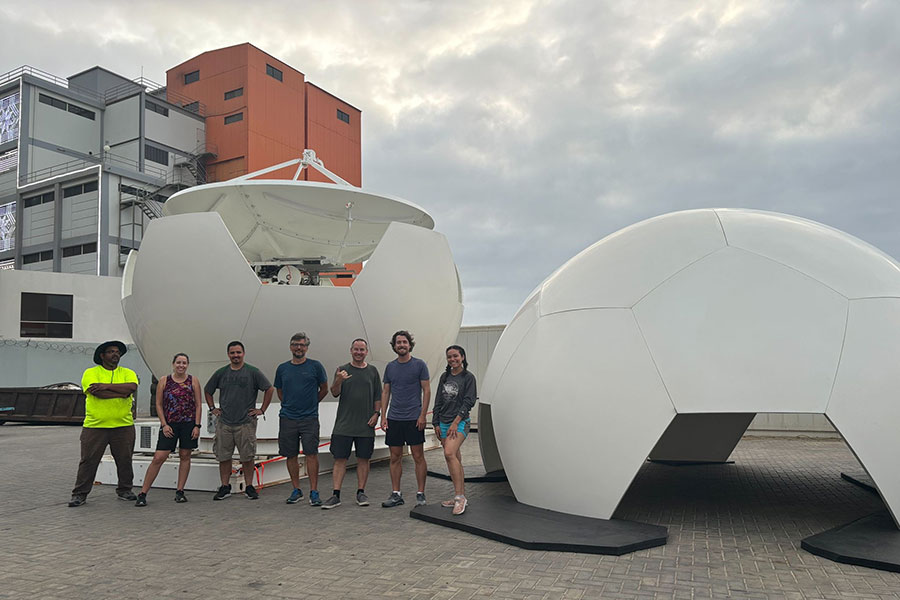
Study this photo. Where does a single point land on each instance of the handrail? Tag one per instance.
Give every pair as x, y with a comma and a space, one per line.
73, 165
157, 90
150, 87
29, 70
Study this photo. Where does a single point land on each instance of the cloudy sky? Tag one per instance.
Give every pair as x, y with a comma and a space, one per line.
531, 129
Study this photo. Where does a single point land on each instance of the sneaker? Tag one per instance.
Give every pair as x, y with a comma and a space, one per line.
77, 500
126, 496
362, 499
449, 503
295, 496
141, 499
179, 496
332, 502
314, 499
420, 499
224, 492
460, 506
394, 500
251, 492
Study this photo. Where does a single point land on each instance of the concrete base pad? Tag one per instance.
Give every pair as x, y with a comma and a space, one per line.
689, 463
860, 479
504, 519
872, 541
474, 474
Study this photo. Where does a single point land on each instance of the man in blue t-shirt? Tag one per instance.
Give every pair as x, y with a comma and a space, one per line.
301, 384
404, 400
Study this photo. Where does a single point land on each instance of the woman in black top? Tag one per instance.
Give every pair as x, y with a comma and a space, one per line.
454, 398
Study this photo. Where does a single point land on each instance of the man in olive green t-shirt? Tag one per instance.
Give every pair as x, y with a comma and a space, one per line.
357, 384
109, 390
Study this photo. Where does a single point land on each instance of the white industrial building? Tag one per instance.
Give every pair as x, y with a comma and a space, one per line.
84, 162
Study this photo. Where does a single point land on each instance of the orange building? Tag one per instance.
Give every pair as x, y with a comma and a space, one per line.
261, 112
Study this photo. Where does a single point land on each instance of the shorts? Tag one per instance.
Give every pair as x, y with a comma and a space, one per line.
229, 437
340, 446
462, 428
292, 431
403, 432
182, 436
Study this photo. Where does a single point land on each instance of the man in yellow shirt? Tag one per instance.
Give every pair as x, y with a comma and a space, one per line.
109, 390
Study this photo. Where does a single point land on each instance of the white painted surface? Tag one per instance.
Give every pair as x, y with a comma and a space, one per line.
622, 268
603, 404
277, 219
178, 130
760, 328
189, 289
844, 263
37, 224
97, 313
865, 403
122, 122
735, 332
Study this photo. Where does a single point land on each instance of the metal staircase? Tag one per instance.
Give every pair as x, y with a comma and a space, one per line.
149, 200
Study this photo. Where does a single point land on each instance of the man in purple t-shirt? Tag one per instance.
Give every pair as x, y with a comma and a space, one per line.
404, 400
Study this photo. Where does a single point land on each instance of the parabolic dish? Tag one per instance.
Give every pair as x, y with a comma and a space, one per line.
276, 219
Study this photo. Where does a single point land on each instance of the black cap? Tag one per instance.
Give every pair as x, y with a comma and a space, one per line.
102, 348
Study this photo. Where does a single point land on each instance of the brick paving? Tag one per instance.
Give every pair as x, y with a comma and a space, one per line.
734, 531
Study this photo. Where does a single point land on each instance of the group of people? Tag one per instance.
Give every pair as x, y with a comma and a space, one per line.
399, 402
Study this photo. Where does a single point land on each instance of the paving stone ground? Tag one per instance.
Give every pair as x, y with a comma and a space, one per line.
734, 532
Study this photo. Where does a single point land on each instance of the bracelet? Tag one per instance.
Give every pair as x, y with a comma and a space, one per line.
197, 425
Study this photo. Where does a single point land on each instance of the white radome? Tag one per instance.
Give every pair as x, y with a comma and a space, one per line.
664, 339
191, 288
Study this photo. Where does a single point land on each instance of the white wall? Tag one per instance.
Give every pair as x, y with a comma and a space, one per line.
85, 264
97, 309
44, 265
122, 122
53, 125
79, 214
37, 224
177, 130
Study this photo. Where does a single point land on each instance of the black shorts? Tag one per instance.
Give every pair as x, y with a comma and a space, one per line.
292, 431
403, 432
182, 436
340, 446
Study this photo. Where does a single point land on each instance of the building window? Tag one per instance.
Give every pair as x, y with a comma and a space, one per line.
81, 112
37, 257
7, 226
9, 118
37, 200
9, 160
153, 106
342, 116
46, 315
61, 105
79, 249
191, 77
75, 190
192, 106
156, 155
234, 118
54, 102
234, 93
273, 72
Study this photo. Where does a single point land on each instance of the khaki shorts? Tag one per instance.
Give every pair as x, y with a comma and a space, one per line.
229, 437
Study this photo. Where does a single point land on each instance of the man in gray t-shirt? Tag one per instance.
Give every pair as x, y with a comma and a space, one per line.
358, 387
404, 399
238, 384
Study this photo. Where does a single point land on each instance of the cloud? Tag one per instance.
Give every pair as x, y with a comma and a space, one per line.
531, 129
